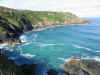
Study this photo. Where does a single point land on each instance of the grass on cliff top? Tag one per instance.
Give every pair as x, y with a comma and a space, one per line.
36, 17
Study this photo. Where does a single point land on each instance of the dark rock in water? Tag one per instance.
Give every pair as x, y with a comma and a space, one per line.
76, 66
52, 72
8, 67
29, 69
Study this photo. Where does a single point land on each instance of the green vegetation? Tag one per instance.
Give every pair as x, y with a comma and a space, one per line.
38, 17
14, 22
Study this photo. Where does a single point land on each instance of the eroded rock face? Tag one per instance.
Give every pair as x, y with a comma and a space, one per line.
77, 66
10, 32
8, 67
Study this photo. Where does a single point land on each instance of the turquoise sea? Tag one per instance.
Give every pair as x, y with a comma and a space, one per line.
54, 46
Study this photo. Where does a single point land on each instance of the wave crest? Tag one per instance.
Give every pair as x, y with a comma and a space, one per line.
82, 47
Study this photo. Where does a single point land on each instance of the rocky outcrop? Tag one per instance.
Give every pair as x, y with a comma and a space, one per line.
77, 66
28, 69
10, 33
8, 67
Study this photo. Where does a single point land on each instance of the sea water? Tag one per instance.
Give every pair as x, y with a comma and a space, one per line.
55, 46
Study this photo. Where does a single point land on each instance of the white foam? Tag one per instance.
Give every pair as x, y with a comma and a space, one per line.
88, 49
97, 51
97, 58
27, 43
23, 38
27, 55
93, 58
45, 45
3, 45
77, 46
63, 59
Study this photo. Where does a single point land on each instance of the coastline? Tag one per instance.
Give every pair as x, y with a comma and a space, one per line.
17, 22
40, 28
88, 61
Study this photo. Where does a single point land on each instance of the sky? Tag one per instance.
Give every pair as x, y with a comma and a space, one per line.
82, 8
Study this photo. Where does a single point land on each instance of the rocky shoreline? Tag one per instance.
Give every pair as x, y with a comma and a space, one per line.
13, 23
75, 66
78, 66
17, 41
9, 67
56, 25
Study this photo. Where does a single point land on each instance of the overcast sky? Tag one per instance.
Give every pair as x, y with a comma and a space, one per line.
83, 8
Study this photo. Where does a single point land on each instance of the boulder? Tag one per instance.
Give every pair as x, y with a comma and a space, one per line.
77, 66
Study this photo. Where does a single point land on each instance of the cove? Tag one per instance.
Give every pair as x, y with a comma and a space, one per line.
54, 46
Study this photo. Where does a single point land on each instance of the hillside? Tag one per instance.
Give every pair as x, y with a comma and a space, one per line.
14, 22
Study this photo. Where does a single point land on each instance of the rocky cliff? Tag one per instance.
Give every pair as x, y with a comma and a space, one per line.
14, 22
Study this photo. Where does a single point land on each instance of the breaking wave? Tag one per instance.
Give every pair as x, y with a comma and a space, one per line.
23, 38
27, 55
82, 47
44, 44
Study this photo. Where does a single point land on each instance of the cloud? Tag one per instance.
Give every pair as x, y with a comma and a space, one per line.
84, 8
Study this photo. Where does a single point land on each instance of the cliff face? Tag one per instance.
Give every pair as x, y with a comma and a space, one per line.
14, 22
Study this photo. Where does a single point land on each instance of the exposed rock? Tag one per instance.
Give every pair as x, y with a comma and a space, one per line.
77, 66
52, 72
29, 69
8, 67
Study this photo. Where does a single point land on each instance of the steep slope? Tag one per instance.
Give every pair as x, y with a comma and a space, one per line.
14, 22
